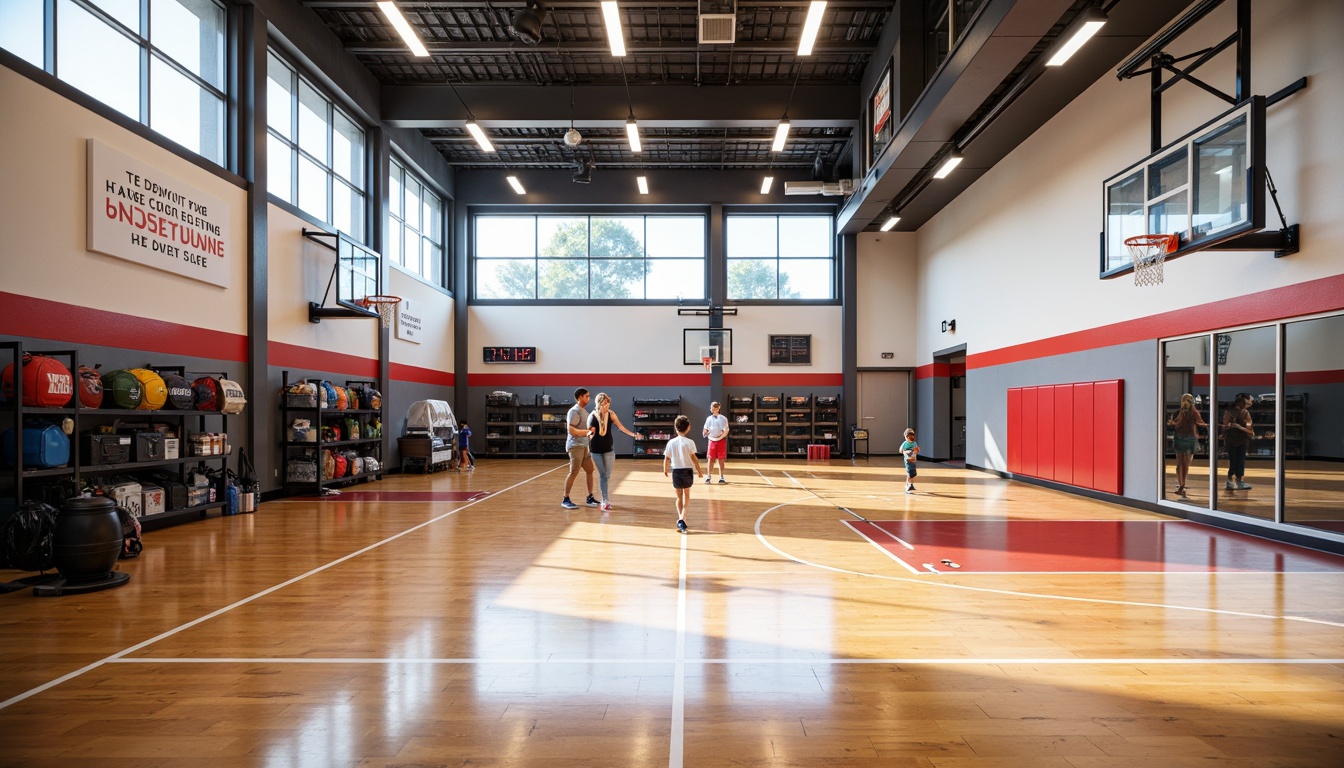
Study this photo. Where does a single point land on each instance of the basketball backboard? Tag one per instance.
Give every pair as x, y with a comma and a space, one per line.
1207, 188
714, 342
357, 273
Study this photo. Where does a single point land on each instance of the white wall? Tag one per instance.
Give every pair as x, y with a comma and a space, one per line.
43, 202
889, 308
1014, 259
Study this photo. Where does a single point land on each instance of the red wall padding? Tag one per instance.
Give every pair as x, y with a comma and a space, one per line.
1069, 433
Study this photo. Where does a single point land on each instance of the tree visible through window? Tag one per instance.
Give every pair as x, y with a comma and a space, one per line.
590, 257
780, 257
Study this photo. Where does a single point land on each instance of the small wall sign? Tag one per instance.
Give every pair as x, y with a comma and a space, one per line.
791, 350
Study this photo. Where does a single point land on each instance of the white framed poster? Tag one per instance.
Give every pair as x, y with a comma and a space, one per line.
144, 215
410, 321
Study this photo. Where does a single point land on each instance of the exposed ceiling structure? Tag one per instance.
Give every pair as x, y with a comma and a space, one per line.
715, 106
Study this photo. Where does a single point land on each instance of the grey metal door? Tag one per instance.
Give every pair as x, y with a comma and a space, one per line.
884, 409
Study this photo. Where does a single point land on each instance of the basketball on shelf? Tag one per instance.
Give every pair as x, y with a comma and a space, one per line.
1148, 252
385, 306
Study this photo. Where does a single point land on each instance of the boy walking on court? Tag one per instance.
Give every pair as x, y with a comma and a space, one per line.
910, 450
679, 456
464, 447
716, 429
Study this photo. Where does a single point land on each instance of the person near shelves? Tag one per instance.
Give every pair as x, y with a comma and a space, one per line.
602, 445
1237, 433
1186, 423
464, 447
679, 457
716, 429
576, 445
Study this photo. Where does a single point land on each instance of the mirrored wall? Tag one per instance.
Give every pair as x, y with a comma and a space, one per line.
1253, 422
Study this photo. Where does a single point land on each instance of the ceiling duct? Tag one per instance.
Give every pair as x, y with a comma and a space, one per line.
843, 187
718, 21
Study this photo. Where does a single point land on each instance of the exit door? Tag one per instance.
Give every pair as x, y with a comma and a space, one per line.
884, 409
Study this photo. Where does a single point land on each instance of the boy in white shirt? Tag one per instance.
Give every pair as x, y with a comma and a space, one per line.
679, 456
716, 429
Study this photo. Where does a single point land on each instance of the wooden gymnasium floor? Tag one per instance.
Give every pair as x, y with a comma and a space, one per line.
467, 619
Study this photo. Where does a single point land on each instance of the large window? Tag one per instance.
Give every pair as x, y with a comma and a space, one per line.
315, 152
586, 257
780, 257
160, 62
415, 225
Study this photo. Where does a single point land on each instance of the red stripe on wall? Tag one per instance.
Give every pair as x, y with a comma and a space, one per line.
1275, 304
1315, 377
417, 375
1294, 378
284, 355
587, 379
72, 323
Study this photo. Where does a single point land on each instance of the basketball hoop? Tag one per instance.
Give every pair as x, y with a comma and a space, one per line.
385, 306
1148, 252
708, 362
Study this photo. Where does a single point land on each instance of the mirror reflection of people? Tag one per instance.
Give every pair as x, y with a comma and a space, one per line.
1237, 433
1186, 423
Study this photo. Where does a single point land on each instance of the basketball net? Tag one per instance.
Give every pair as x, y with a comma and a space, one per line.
708, 361
1148, 252
385, 306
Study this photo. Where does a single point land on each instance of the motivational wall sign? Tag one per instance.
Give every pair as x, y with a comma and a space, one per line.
409, 321
140, 213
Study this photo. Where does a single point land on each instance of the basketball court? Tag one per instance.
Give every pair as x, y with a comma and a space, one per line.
466, 618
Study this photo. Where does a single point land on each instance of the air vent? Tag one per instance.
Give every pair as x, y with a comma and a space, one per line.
717, 29
718, 21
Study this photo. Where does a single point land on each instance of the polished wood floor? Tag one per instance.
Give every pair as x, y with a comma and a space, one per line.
507, 631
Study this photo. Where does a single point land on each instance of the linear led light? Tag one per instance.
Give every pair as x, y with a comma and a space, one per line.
479, 136
632, 133
615, 35
643, 183
1090, 22
766, 183
811, 27
403, 27
952, 161
517, 185
781, 136
891, 222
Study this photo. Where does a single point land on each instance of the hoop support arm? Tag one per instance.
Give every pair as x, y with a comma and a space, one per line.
316, 312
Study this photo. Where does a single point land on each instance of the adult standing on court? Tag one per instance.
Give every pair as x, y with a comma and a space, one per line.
602, 445
1237, 434
576, 445
1185, 423
716, 429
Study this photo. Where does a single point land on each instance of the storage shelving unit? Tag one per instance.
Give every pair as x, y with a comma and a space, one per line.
741, 427
797, 425
769, 426
318, 416
525, 431
780, 426
826, 422
653, 424
46, 483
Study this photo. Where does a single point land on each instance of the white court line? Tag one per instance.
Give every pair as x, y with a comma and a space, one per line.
169, 633
1015, 593
676, 747
682, 662
767, 480
883, 549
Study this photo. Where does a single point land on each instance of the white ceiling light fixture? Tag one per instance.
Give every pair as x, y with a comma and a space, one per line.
517, 185
949, 163
1089, 23
811, 26
632, 133
643, 183
890, 222
781, 136
615, 35
766, 183
482, 140
403, 27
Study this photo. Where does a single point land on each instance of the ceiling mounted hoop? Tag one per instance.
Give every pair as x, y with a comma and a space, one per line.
385, 306
1148, 252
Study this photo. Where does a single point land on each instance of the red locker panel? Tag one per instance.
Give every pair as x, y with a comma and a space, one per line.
1045, 433
1029, 419
1108, 405
1083, 448
1064, 420
1015, 431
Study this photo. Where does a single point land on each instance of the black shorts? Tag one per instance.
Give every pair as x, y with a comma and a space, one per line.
683, 478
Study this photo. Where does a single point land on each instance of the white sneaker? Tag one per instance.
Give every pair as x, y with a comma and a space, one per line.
706, 478
607, 505
1229, 486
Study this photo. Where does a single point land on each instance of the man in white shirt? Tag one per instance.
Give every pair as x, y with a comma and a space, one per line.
716, 429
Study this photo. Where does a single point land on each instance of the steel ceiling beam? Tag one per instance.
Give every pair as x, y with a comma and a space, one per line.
601, 48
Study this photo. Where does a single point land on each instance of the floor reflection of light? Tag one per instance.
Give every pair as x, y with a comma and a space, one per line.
322, 740
409, 688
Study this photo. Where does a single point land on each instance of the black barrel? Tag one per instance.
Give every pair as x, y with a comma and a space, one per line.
88, 538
